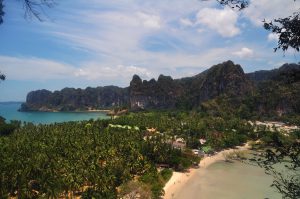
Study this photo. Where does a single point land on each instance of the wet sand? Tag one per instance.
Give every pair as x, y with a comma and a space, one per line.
219, 179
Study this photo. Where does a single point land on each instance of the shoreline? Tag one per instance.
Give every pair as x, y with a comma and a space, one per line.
83, 111
179, 179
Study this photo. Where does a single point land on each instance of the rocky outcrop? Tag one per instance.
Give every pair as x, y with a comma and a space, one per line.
163, 93
70, 99
222, 79
262, 91
280, 93
264, 75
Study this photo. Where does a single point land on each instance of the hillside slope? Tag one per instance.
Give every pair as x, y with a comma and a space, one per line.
221, 88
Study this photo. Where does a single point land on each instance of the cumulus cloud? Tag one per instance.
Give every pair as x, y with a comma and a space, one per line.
259, 10
115, 37
150, 20
112, 34
244, 53
223, 21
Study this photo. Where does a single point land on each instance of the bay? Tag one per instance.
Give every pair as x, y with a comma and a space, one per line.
228, 181
9, 110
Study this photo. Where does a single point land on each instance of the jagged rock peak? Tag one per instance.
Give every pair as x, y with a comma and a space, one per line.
263, 75
164, 78
228, 67
136, 80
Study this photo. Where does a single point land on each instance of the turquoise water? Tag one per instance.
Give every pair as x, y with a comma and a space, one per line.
10, 112
228, 181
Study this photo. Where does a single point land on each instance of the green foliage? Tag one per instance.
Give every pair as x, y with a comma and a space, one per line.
288, 31
277, 98
296, 134
94, 158
63, 158
92, 194
155, 181
89, 157
135, 189
285, 153
8, 128
71, 99
166, 174
239, 4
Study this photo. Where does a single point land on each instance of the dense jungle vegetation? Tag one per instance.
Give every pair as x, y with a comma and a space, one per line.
102, 158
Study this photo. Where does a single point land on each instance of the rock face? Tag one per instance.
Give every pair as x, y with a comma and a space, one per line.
278, 91
264, 75
70, 99
226, 79
162, 93
222, 79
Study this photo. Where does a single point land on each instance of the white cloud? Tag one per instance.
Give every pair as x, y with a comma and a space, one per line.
32, 68
108, 33
273, 37
244, 53
150, 21
120, 38
119, 34
112, 35
223, 21
259, 10
200, 30
186, 22
93, 71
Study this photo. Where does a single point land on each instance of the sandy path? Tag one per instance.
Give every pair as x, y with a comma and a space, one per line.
178, 179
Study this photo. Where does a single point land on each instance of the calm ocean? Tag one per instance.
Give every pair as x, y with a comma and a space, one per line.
9, 110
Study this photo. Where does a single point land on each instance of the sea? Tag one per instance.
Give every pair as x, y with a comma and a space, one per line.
9, 110
226, 180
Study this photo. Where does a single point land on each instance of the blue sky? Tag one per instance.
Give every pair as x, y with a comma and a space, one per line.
102, 42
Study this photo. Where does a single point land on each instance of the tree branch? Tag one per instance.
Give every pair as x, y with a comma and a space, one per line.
35, 7
1, 11
2, 76
288, 31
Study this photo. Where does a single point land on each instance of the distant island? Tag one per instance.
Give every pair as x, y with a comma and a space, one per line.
267, 92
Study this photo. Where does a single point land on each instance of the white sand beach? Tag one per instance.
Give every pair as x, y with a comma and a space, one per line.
178, 179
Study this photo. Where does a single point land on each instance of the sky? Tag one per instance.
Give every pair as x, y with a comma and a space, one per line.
102, 42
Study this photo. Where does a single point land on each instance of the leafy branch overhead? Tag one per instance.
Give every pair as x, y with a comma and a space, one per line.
240, 4
2, 76
287, 154
1, 11
287, 29
33, 8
